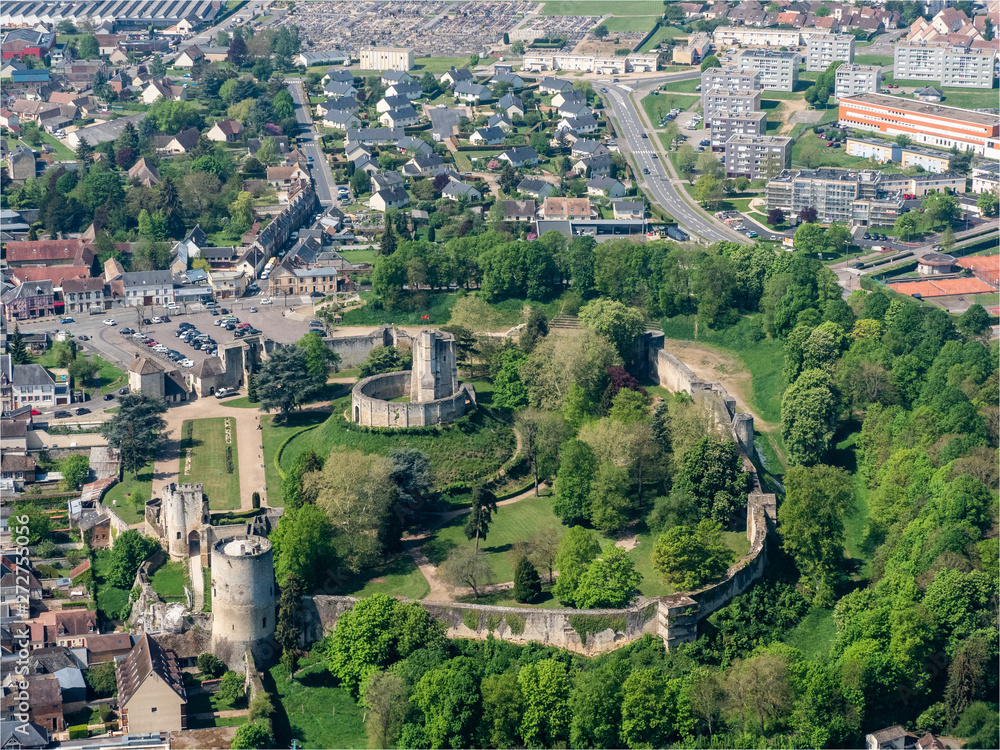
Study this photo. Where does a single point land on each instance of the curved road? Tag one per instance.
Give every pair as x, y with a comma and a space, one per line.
658, 183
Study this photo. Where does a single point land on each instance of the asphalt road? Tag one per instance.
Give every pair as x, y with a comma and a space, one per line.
321, 173
657, 183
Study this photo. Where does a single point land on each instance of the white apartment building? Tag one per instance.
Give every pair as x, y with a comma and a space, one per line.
779, 71
986, 178
386, 58
148, 288
729, 79
757, 157
636, 62
852, 80
725, 125
718, 100
749, 36
948, 64
826, 49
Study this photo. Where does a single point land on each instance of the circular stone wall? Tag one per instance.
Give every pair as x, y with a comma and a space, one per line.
372, 404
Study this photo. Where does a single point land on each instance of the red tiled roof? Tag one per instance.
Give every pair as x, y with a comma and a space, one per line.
55, 274
76, 251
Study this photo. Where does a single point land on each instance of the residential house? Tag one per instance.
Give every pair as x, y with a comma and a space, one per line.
83, 295
410, 90
227, 284
573, 108
475, 93
394, 197
890, 738
140, 288
45, 706
628, 209
16, 469
21, 164
400, 118
414, 146
340, 88
511, 104
428, 165
535, 187
568, 96
151, 694
280, 143
515, 81
341, 120
588, 147
144, 173
387, 103
554, 85
285, 176
373, 136
386, 180
104, 647
578, 125
181, 143
391, 77
225, 131
605, 186
67, 627
22, 736
27, 301
487, 137
523, 210
343, 104
594, 166
567, 209
521, 156
189, 57
338, 74
161, 90
456, 76
500, 120
454, 189
305, 281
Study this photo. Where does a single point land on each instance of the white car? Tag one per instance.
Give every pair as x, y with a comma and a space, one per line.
157, 319
110, 322
218, 322
159, 348
187, 363
266, 301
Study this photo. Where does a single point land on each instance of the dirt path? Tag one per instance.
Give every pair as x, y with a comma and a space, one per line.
413, 546
784, 111
711, 364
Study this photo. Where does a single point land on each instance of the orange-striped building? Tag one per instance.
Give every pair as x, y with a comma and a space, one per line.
929, 124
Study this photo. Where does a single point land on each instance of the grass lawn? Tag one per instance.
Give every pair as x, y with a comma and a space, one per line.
312, 710
207, 575
876, 60
954, 97
662, 33
169, 581
685, 87
110, 599
128, 498
438, 306
505, 598
813, 151
814, 634
358, 256
109, 377
658, 104
439, 65
590, 8
243, 402
398, 576
208, 461
274, 436
474, 447
635, 24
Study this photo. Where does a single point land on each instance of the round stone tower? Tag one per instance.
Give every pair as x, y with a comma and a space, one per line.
244, 600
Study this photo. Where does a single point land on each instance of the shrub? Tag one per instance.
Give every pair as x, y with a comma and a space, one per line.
210, 665
471, 619
255, 500
231, 689
101, 679
106, 713
78, 732
515, 623
261, 707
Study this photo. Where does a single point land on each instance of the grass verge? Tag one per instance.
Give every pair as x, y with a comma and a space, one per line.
209, 464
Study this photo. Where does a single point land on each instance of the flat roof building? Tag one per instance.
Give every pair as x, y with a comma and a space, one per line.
945, 62
822, 50
856, 198
720, 100
854, 80
757, 157
725, 125
924, 123
386, 58
779, 71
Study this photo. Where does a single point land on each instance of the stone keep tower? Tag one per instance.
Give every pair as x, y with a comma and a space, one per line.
183, 512
244, 600
435, 368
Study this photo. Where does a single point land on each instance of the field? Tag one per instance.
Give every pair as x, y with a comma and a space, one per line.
874, 60
954, 97
474, 447
169, 581
631, 24
110, 600
591, 8
208, 461
274, 436
128, 498
662, 33
683, 87
312, 711
440, 306
658, 105
439, 65
398, 576
358, 256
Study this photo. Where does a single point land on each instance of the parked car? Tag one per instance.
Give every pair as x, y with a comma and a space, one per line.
224, 392
123, 391
83, 337
253, 309
157, 319
35, 412
110, 322
109, 396
187, 363
67, 320
62, 414
81, 411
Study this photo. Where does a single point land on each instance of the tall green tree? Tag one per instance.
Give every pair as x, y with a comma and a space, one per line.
303, 546
484, 505
689, 557
136, 430
573, 482
527, 582
620, 324
809, 417
284, 381
449, 699
545, 689
286, 631
577, 550
16, 349
609, 582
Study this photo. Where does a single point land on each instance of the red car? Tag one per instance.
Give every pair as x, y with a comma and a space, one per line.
829, 143
35, 412
150, 343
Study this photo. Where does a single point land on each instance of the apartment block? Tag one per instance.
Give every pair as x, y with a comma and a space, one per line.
838, 195
927, 124
602, 64
935, 162
985, 178
725, 125
749, 36
852, 80
729, 79
825, 49
955, 65
779, 71
757, 157
717, 101
386, 58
